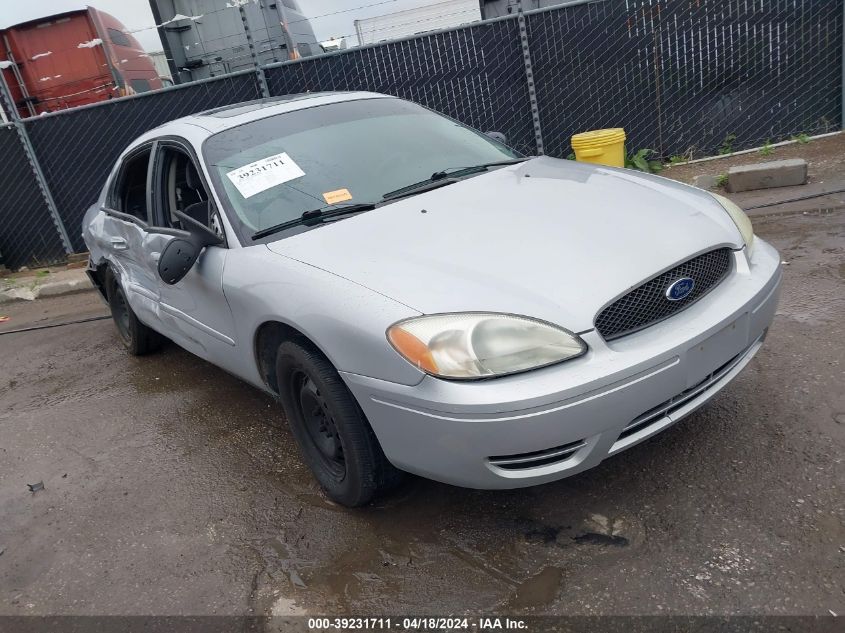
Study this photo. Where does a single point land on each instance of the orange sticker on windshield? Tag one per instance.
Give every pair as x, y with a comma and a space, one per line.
338, 195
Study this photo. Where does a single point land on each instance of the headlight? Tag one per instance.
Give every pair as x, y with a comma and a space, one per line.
476, 345
740, 219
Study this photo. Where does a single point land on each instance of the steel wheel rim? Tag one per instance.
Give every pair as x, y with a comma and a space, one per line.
320, 426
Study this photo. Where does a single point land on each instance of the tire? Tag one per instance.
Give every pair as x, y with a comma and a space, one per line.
333, 434
136, 337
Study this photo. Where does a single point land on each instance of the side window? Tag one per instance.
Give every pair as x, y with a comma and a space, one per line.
140, 85
130, 193
118, 38
183, 190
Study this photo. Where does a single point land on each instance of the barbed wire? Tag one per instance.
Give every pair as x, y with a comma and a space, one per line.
386, 27
304, 19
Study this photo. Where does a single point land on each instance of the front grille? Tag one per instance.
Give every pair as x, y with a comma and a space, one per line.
535, 459
647, 303
672, 405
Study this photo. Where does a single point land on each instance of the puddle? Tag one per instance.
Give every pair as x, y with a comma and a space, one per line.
538, 591
452, 545
594, 529
594, 538
286, 607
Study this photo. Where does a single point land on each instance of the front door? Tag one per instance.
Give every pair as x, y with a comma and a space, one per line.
195, 309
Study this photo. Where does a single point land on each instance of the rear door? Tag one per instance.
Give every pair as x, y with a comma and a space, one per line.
128, 210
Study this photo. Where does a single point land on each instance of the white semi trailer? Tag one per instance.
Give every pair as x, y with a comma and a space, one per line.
431, 17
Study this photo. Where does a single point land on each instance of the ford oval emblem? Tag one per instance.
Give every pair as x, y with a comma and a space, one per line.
680, 289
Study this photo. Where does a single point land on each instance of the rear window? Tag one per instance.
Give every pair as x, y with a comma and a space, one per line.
119, 38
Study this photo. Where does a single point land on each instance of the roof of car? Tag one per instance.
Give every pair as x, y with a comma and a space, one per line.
233, 115
234, 109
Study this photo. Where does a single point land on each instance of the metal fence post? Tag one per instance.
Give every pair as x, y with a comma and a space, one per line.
529, 75
29, 150
262, 82
843, 65
259, 72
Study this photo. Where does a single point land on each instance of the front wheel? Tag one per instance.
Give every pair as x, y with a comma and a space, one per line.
333, 434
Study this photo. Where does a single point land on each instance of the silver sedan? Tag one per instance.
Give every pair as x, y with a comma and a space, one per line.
422, 298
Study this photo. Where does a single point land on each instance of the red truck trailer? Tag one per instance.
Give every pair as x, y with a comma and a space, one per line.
70, 59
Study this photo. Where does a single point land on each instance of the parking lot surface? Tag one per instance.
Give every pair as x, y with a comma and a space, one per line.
172, 488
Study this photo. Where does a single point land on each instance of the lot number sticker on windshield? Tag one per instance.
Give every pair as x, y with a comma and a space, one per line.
264, 174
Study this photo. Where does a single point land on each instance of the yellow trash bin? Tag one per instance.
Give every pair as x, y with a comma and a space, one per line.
603, 147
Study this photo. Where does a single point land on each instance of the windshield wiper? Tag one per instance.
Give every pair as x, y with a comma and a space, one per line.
314, 217
447, 177
419, 187
463, 171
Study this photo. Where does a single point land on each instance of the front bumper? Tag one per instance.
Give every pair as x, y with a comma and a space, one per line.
554, 422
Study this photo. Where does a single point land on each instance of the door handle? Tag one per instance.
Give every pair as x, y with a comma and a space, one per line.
118, 243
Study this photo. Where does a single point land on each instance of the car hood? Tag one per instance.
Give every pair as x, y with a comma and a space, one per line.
550, 239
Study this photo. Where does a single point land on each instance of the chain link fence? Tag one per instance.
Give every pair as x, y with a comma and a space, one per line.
27, 233
688, 77
685, 78
77, 148
474, 74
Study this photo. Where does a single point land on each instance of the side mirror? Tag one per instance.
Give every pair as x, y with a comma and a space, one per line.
182, 252
498, 136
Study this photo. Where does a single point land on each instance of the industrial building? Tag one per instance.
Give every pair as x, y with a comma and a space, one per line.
431, 17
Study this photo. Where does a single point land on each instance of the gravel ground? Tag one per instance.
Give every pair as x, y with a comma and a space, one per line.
172, 488
825, 155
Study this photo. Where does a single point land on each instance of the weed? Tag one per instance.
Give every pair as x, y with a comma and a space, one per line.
802, 138
767, 149
727, 146
641, 161
722, 181
687, 156
42, 273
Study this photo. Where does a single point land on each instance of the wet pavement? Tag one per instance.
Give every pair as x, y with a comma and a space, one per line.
172, 488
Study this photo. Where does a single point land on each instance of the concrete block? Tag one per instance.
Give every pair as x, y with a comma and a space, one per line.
63, 287
706, 182
31, 288
777, 173
18, 293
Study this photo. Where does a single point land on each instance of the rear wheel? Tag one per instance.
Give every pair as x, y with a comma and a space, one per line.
333, 434
135, 336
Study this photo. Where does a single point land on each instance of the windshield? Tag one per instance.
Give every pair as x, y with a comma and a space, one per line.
273, 170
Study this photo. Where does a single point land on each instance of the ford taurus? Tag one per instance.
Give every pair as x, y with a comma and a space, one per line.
422, 298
